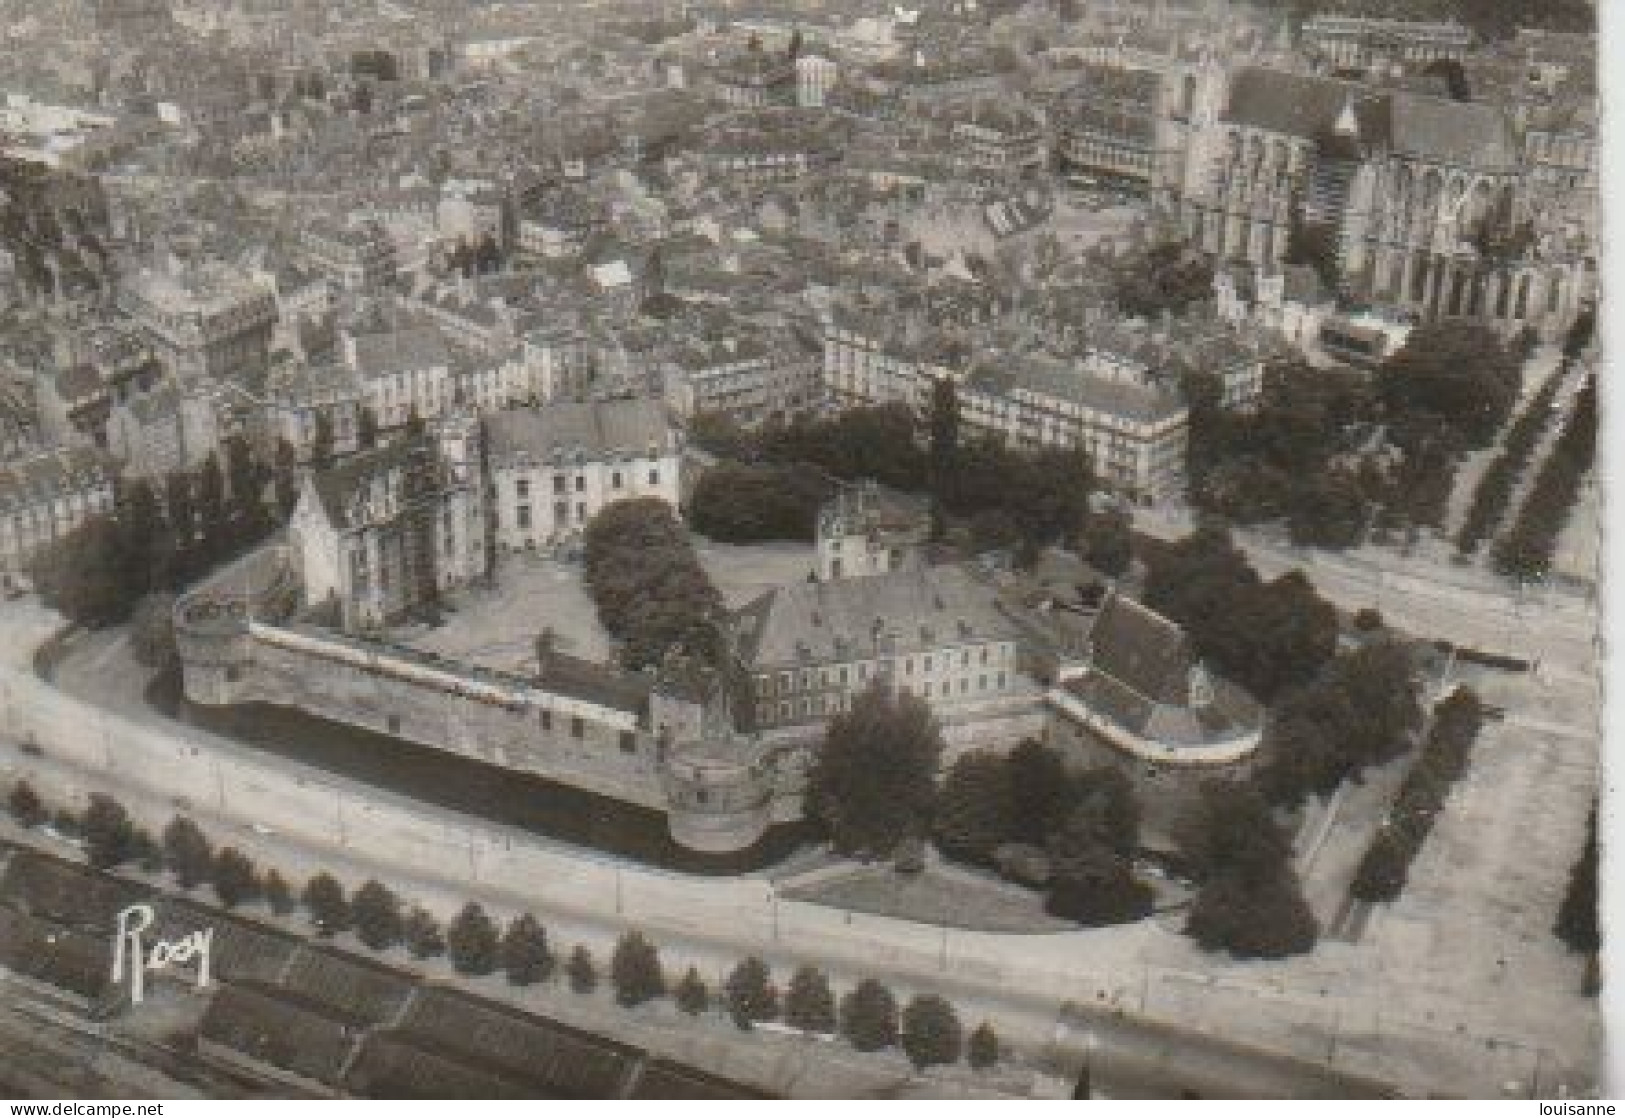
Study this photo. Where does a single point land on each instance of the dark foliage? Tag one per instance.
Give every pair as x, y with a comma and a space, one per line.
109, 834
1577, 922
421, 933
1265, 636
650, 590
749, 994
1495, 486
25, 805
1526, 551
983, 1050
235, 878
634, 970
869, 1017
808, 1003
693, 997
278, 896
1382, 872
187, 853
872, 779
471, 941
375, 911
737, 502
526, 956
975, 808
1453, 376
931, 1032
583, 975
324, 900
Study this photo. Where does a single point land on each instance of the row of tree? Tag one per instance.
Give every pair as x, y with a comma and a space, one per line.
1362, 710
1494, 492
651, 592
156, 541
1266, 636
744, 502
1526, 550
1022, 499
927, 1029
1383, 870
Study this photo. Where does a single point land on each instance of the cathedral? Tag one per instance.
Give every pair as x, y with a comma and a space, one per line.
1437, 206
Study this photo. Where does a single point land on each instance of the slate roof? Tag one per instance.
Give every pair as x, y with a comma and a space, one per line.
920, 610
1142, 650
595, 428
1465, 132
1305, 106
379, 355
282, 1029
73, 961
1408, 123
552, 1058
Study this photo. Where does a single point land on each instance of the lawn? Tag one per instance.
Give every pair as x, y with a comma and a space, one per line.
939, 895
497, 626
743, 572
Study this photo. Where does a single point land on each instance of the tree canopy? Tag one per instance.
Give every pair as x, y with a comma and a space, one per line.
872, 780
1453, 375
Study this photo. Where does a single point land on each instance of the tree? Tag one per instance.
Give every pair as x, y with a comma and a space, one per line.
583, 976
975, 808
213, 519
739, 503
1454, 375
285, 478
152, 632
983, 1049
321, 443
25, 806
139, 523
187, 853
1250, 902
84, 575
376, 912
1577, 922
808, 1003
245, 484
526, 957
367, 429
1040, 791
277, 894
931, 1032
471, 941
1108, 542
1092, 872
869, 1017
421, 932
692, 996
634, 970
1265, 918
324, 899
235, 879
872, 779
108, 833
749, 995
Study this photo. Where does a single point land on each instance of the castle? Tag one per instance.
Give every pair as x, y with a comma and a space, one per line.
724, 756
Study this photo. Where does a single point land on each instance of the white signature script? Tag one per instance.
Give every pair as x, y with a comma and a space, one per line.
131, 953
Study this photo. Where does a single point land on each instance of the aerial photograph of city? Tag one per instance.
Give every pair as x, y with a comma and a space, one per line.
800, 549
